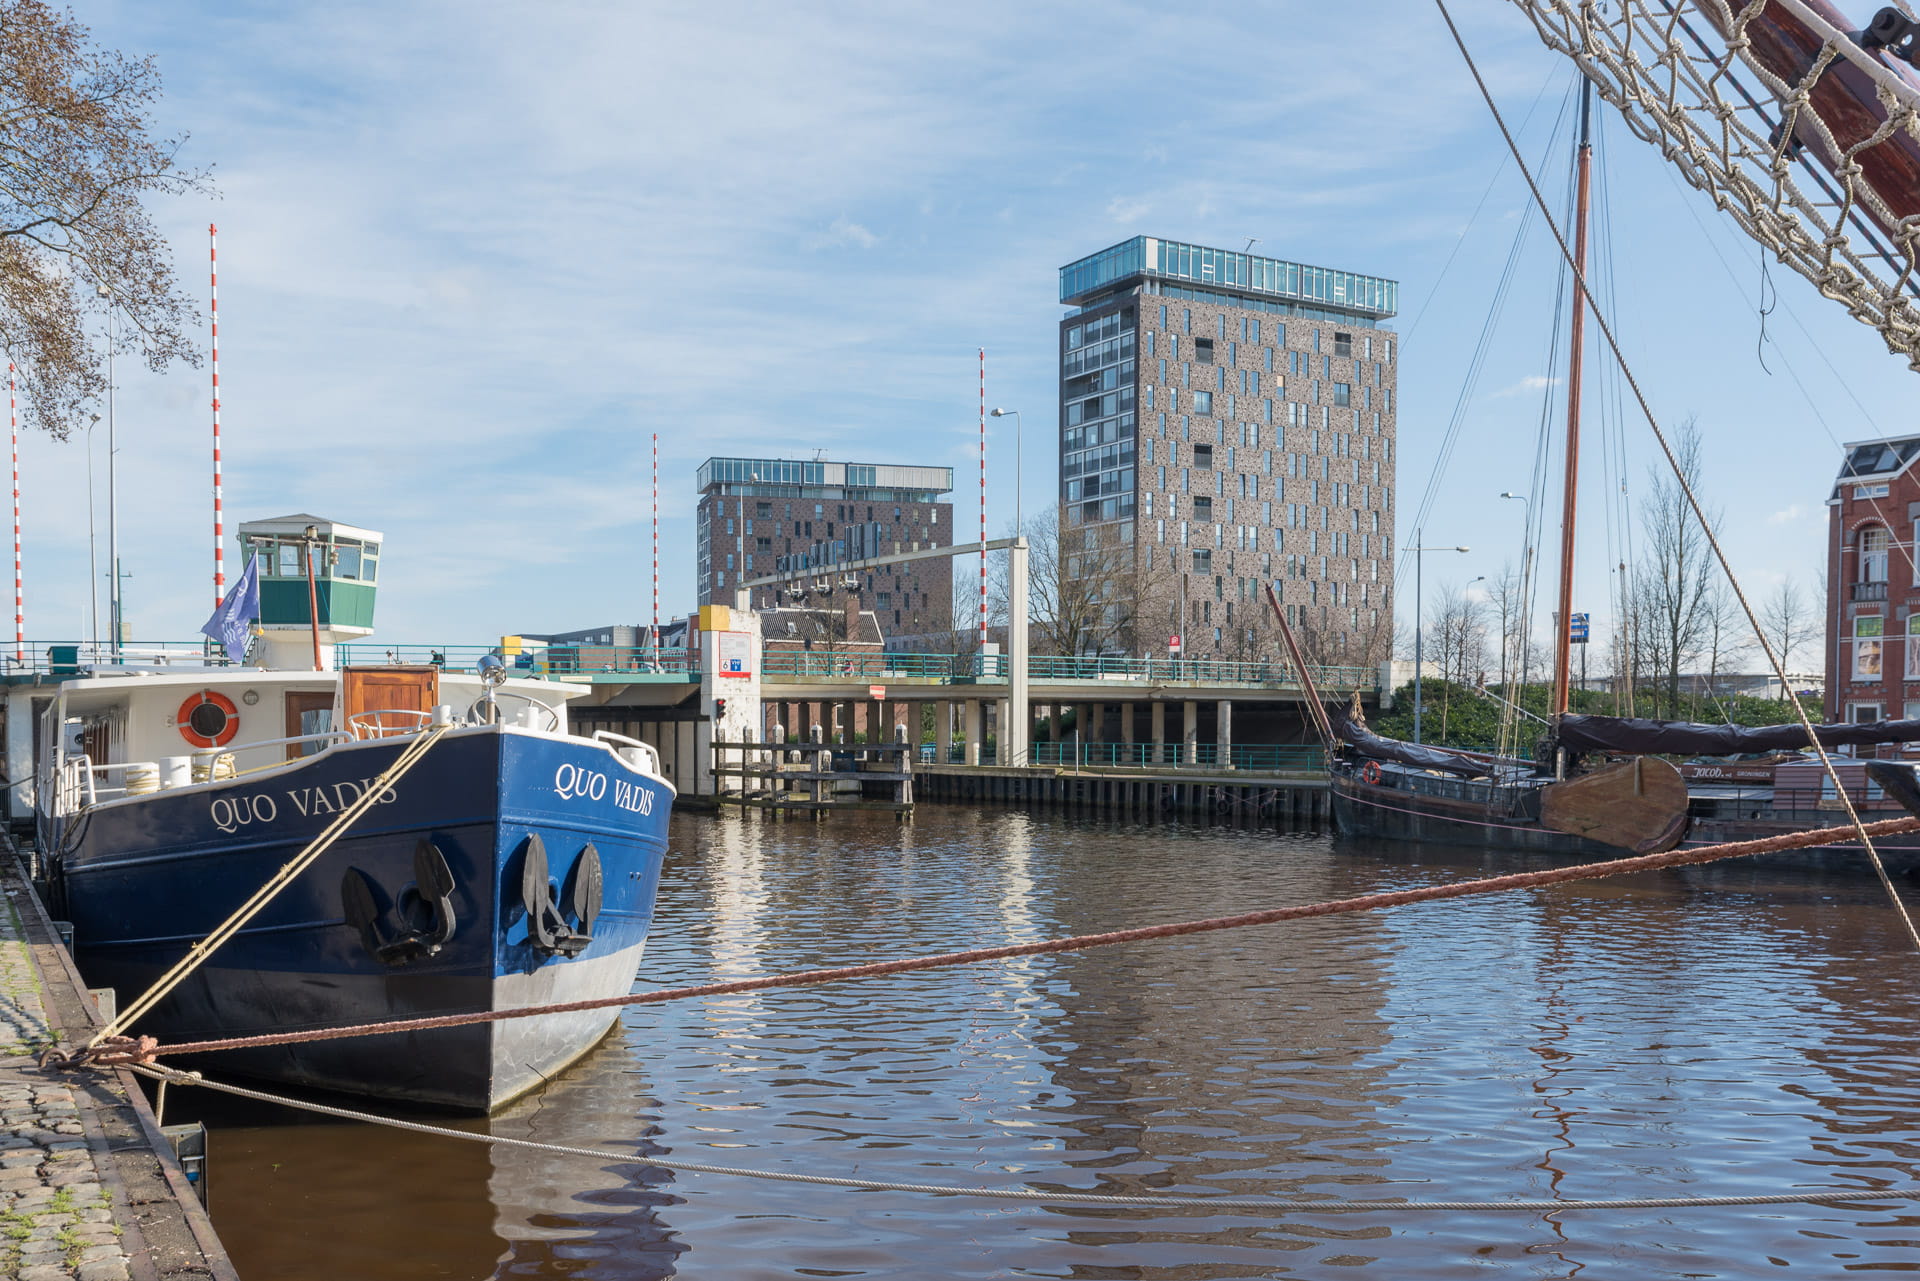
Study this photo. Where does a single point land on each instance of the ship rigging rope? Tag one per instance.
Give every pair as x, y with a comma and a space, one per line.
1211, 1204
1683, 102
199, 952
1680, 475
125, 1050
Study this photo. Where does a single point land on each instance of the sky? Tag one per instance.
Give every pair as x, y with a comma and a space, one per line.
473, 255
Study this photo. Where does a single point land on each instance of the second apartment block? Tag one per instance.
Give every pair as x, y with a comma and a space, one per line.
801, 518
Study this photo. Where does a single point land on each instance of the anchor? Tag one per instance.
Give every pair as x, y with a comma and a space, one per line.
425, 908
547, 930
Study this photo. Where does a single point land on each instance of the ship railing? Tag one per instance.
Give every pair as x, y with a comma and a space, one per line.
222, 762
388, 722
649, 759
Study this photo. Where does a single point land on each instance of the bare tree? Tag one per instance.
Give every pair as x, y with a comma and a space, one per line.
1079, 586
1508, 612
1786, 618
1726, 636
74, 237
1458, 625
1674, 573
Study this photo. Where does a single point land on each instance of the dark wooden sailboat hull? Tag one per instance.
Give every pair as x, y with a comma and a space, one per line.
1389, 813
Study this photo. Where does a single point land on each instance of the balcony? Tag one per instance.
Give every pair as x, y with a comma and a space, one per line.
1867, 591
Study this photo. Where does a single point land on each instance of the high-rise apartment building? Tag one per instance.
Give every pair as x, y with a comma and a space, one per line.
1227, 421
761, 516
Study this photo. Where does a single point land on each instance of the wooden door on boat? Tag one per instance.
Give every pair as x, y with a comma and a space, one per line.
376, 701
308, 712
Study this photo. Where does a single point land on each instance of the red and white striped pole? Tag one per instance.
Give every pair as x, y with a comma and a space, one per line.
654, 632
219, 529
19, 584
983, 500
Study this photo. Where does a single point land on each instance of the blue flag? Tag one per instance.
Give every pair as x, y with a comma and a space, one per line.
232, 622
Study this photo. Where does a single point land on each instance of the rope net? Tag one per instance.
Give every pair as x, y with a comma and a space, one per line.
1802, 134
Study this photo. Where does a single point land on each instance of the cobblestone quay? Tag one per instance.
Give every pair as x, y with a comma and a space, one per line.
85, 1194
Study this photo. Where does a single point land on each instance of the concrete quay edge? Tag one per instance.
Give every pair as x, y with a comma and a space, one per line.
160, 1230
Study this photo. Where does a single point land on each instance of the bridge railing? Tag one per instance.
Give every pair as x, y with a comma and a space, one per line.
1047, 667
1240, 756
549, 660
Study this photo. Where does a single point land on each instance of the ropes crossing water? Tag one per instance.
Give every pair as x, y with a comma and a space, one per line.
124, 1050
1211, 1204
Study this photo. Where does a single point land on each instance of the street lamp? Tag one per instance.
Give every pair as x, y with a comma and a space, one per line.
113, 492
1418, 610
93, 563
1002, 413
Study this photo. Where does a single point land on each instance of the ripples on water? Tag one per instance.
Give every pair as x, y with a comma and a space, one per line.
1713, 1032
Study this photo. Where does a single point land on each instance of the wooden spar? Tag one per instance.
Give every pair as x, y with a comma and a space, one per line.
1316, 710
1563, 617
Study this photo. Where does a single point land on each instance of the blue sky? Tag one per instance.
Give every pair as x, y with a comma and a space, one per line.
473, 254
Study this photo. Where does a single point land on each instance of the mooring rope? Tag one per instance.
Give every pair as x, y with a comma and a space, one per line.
146, 1050
1211, 1204
199, 952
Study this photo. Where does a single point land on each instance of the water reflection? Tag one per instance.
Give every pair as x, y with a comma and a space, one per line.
1719, 1031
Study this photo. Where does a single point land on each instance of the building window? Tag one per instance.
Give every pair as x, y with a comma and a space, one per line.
1203, 402
1913, 650
1343, 344
1868, 631
1870, 491
1203, 560
1203, 350
1873, 554
1203, 456
1203, 508
1342, 395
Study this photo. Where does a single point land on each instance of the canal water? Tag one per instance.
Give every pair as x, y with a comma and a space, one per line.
1719, 1031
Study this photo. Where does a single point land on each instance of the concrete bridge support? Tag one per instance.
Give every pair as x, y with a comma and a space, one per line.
1190, 729
976, 729
1126, 725
1224, 734
1157, 719
943, 731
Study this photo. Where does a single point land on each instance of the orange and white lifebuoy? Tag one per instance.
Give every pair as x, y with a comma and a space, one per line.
207, 718
1370, 773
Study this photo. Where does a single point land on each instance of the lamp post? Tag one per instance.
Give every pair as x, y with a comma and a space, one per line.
113, 492
93, 563
1002, 413
1418, 610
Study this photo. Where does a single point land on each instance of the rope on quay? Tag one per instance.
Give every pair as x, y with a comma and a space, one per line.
1090, 1199
146, 1050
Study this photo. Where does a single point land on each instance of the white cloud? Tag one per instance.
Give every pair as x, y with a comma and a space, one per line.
845, 234
1787, 515
1531, 383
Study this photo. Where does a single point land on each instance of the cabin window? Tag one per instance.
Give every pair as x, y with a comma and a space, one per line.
290, 565
1873, 554
1867, 633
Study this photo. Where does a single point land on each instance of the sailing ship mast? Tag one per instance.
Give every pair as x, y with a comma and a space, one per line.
1563, 615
